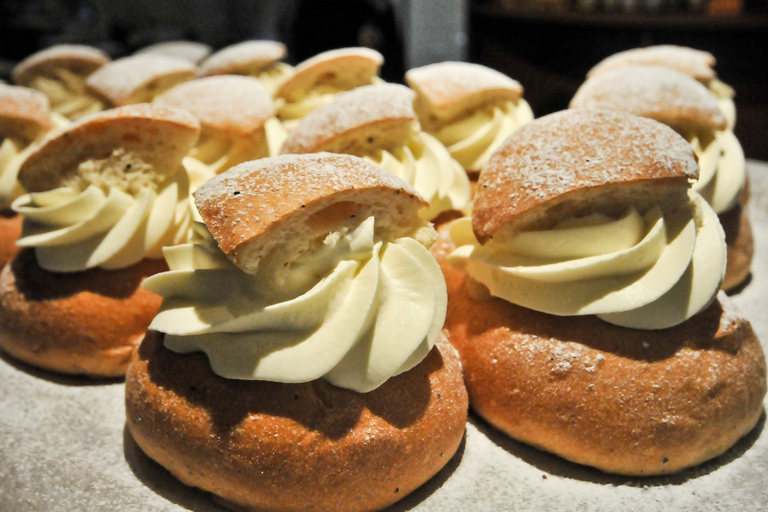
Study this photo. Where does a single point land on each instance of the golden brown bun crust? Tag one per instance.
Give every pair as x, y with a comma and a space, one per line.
659, 93
159, 135
449, 90
300, 193
242, 58
24, 113
695, 63
306, 447
621, 400
138, 79
357, 122
77, 59
740, 244
10, 231
233, 105
344, 68
83, 323
568, 163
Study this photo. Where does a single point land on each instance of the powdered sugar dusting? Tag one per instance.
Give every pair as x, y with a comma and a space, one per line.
448, 82
229, 103
692, 62
23, 109
245, 56
67, 56
651, 91
122, 78
349, 111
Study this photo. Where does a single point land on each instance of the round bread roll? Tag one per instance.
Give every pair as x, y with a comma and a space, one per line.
24, 113
138, 79
80, 60
741, 246
271, 446
86, 323
621, 400
192, 51
243, 58
695, 63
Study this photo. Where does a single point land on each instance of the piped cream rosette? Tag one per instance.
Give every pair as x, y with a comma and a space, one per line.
25, 118
643, 255
110, 198
342, 290
681, 102
469, 108
237, 119
318, 80
60, 72
378, 123
256, 59
648, 271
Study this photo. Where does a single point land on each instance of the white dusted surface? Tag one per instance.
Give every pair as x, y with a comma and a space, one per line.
64, 447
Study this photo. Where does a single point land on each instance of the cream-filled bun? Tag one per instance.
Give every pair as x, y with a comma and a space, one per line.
311, 291
317, 80
103, 197
470, 108
697, 64
651, 393
378, 123
257, 59
138, 79
25, 118
192, 51
687, 106
237, 120
60, 72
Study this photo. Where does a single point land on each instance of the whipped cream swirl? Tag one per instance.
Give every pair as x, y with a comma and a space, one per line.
97, 220
425, 164
724, 94
67, 94
355, 312
722, 167
649, 271
273, 75
471, 140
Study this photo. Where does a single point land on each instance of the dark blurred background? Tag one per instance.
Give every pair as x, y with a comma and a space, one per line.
547, 45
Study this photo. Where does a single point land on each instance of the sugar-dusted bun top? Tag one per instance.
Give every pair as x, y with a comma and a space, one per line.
343, 69
695, 63
373, 116
657, 92
158, 135
270, 209
242, 58
24, 113
447, 90
192, 51
78, 59
138, 78
580, 161
234, 105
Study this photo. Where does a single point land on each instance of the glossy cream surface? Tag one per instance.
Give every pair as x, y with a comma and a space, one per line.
355, 312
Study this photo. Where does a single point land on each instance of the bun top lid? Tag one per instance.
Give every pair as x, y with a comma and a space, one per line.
79, 59
695, 63
157, 134
259, 204
343, 68
373, 116
574, 159
234, 105
138, 78
24, 113
660, 93
192, 51
448, 89
242, 58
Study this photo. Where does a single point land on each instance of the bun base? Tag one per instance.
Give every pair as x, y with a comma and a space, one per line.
740, 245
621, 400
10, 231
82, 323
260, 445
